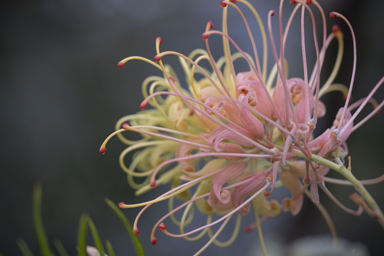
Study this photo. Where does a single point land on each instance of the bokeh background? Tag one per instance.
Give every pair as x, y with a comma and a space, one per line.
61, 94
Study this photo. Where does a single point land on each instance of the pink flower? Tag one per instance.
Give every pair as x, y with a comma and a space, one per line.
232, 135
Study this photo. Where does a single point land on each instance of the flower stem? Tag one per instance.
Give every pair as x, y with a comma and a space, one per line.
350, 177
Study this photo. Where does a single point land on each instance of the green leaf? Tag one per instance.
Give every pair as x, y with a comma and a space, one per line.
110, 248
40, 233
135, 240
96, 237
82, 235
24, 247
60, 247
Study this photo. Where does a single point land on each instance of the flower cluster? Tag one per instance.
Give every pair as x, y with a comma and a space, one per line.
231, 138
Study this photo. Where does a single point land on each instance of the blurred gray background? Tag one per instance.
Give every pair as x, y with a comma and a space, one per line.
61, 94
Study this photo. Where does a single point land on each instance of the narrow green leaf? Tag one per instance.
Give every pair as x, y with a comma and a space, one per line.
40, 233
60, 247
135, 240
109, 247
95, 235
24, 247
82, 236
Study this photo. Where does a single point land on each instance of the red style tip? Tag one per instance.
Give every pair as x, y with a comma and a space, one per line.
154, 241
293, 2
247, 229
120, 205
350, 99
137, 231
333, 14
378, 112
153, 184
171, 79
233, 1
204, 36
192, 112
272, 13
159, 39
210, 25
143, 106
125, 126
102, 151
162, 226
157, 58
120, 64
335, 29
309, 2
223, 4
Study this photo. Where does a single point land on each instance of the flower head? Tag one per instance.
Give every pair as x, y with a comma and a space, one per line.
224, 142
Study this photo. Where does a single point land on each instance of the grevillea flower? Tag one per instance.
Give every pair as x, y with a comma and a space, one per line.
223, 142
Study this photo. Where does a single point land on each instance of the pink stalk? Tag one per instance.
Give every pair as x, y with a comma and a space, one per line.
307, 177
325, 44
288, 26
160, 55
360, 101
287, 100
305, 151
127, 127
262, 30
218, 73
318, 177
213, 238
161, 225
184, 204
250, 64
268, 183
334, 15
249, 34
205, 154
282, 66
135, 229
275, 168
318, 64
253, 225
195, 181
360, 108
307, 114
211, 118
348, 183
322, 56
165, 130
171, 81
337, 202
287, 144
227, 50
268, 120
375, 111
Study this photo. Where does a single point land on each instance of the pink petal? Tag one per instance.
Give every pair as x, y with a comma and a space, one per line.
254, 183
226, 174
